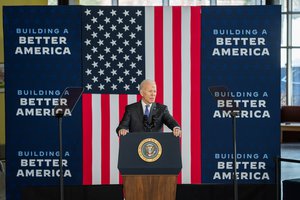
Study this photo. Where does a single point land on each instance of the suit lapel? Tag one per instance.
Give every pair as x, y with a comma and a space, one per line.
139, 110
152, 112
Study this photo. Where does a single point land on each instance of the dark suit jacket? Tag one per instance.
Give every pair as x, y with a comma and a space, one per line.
134, 121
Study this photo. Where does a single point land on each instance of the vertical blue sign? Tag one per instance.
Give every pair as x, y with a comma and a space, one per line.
240, 71
42, 58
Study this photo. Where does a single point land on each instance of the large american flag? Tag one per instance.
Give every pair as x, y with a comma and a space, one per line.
121, 47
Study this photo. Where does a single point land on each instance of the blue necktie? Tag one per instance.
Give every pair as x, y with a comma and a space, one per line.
147, 112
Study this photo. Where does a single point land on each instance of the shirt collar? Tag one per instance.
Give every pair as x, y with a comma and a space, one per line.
144, 105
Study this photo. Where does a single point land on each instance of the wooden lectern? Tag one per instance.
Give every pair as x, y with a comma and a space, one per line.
149, 164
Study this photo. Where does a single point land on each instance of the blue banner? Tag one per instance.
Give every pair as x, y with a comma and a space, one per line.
240, 72
42, 58
46, 53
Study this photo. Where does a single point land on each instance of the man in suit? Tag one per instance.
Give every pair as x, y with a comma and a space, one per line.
147, 115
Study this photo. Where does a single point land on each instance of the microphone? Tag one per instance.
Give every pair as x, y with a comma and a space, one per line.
154, 120
148, 126
146, 123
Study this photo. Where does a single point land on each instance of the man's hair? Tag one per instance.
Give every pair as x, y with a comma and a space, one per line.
144, 82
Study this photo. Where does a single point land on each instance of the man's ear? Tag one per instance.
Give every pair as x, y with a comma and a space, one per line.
141, 93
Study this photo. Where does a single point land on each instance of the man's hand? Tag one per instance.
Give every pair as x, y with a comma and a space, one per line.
123, 132
177, 132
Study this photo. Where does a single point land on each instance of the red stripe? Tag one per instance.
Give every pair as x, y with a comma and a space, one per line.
176, 37
105, 138
123, 101
195, 95
139, 97
158, 52
87, 139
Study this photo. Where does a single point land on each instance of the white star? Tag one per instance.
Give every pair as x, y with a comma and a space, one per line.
132, 20
132, 50
107, 35
107, 79
100, 27
100, 42
138, 13
95, 79
94, 20
126, 42
113, 27
120, 35
87, 42
120, 79
113, 12
126, 13
139, 72
120, 50
120, 65
113, 72
113, 57
114, 87
101, 57
88, 72
87, 12
101, 72
113, 42
107, 50
94, 34
88, 57
132, 35
126, 87
126, 28
94, 49
133, 80
120, 20
88, 27
100, 12
126, 72
88, 86
107, 20
133, 65
95, 64
101, 87
139, 57
138, 28
107, 64
126, 57
138, 42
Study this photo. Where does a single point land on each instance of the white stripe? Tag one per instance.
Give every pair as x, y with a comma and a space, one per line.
132, 99
186, 96
168, 64
114, 142
96, 139
149, 42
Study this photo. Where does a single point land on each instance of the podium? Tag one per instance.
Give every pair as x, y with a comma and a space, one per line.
149, 164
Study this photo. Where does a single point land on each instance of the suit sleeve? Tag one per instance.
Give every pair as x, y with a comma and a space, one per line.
125, 122
168, 119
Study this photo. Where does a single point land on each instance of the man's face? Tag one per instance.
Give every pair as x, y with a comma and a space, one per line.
148, 93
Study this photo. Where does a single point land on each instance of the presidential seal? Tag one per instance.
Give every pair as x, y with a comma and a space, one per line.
149, 150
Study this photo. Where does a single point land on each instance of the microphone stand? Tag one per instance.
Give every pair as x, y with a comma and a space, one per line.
59, 116
234, 114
